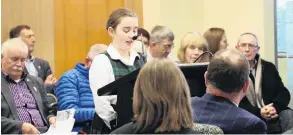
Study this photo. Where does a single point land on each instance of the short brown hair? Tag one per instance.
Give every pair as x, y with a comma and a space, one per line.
14, 32
117, 15
228, 70
161, 98
143, 32
191, 39
213, 37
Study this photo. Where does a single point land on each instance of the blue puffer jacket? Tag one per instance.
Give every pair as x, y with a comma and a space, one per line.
73, 91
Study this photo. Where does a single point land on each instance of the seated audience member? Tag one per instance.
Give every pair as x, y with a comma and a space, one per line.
191, 47
267, 97
34, 66
143, 39
216, 39
23, 97
227, 82
161, 107
161, 43
73, 90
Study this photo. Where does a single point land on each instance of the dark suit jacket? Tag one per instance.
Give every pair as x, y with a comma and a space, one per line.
10, 123
43, 68
273, 90
221, 112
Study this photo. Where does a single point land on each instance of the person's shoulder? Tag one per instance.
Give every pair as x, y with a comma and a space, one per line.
101, 58
41, 60
267, 63
247, 115
125, 129
72, 73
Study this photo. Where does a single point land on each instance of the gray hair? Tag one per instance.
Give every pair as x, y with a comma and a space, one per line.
96, 49
160, 33
14, 43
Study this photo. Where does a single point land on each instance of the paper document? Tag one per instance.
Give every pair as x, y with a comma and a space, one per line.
64, 123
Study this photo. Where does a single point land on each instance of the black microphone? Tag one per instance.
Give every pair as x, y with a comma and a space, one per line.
134, 37
211, 54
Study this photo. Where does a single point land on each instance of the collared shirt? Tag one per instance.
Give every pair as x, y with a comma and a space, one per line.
150, 57
29, 65
100, 74
25, 102
253, 69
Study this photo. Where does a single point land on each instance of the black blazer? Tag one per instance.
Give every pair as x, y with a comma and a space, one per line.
10, 123
273, 90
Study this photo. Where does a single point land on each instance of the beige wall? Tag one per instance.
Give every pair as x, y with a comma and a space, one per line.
235, 16
36, 13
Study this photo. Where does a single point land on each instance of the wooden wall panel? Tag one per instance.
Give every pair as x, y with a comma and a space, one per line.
78, 25
38, 14
137, 7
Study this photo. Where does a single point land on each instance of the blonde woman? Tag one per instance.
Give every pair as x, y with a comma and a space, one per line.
191, 47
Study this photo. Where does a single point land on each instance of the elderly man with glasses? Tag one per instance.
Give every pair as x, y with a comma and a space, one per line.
267, 96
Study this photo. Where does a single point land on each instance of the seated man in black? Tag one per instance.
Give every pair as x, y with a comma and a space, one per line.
23, 97
267, 97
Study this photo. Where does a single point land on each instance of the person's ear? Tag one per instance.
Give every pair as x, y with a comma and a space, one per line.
257, 49
246, 86
205, 77
111, 31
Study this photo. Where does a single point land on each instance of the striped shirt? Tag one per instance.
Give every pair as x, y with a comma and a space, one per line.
25, 103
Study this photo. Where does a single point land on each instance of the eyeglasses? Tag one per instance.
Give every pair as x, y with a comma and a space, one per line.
245, 45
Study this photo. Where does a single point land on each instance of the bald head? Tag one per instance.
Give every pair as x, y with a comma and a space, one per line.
228, 71
96, 49
93, 52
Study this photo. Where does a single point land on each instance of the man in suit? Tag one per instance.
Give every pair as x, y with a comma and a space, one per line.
267, 96
34, 66
227, 83
23, 102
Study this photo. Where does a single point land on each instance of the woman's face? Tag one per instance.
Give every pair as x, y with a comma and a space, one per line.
125, 30
143, 39
223, 43
192, 53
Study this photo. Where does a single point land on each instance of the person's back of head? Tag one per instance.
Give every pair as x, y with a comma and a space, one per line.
228, 72
161, 99
94, 51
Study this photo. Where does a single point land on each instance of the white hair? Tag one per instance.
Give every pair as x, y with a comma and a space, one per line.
96, 49
14, 43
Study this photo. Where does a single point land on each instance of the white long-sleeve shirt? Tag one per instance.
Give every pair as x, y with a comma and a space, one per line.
100, 74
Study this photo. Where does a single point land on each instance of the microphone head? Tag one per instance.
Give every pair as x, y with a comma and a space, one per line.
134, 37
